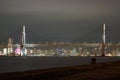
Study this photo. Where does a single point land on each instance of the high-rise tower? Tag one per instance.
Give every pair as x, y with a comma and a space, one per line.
10, 46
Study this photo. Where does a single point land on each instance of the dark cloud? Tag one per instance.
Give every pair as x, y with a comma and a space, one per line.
67, 20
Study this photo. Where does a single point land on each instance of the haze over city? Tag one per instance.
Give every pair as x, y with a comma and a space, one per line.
60, 20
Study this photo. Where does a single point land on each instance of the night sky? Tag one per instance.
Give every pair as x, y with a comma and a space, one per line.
60, 20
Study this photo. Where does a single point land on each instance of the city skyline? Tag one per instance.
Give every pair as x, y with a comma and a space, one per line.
54, 20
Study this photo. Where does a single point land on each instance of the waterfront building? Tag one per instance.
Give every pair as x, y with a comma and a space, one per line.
10, 46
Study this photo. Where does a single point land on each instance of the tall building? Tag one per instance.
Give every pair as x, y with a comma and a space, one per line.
10, 46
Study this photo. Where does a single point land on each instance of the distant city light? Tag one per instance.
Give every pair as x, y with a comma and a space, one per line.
18, 51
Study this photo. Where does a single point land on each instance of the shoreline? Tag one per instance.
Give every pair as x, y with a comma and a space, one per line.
25, 63
69, 72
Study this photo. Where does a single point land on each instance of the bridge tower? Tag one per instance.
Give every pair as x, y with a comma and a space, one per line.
23, 43
23, 36
103, 40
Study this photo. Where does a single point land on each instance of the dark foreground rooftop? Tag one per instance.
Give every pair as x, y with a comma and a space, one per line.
99, 71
